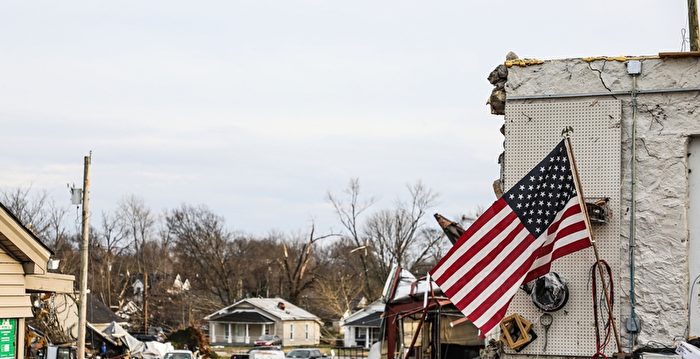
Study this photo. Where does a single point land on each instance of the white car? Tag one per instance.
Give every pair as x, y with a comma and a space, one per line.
179, 354
265, 353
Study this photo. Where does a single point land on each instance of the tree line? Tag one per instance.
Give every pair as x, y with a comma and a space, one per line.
324, 272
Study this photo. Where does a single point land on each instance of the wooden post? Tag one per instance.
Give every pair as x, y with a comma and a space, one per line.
145, 291
577, 184
693, 25
84, 258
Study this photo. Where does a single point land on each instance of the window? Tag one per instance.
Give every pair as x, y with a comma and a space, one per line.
239, 330
267, 330
306, 331
291, 331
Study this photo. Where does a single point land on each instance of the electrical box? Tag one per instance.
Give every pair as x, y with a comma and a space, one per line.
634, 67
76, 196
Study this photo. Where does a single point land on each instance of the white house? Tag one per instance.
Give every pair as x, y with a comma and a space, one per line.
246, 320
361, 328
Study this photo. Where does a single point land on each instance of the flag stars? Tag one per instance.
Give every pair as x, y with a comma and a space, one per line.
539, 196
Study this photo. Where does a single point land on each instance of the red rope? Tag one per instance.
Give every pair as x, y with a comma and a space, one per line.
601, 344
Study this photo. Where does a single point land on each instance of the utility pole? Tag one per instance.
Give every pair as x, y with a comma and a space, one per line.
84, 258
693, 25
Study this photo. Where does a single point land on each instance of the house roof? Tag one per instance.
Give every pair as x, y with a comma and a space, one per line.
377, 306
371, 320
21, 242
270, 306
98, 312
31, 233
243, 316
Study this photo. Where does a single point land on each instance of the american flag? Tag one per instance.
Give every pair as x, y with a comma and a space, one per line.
515, 241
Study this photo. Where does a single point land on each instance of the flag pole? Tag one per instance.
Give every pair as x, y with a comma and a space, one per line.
577, 184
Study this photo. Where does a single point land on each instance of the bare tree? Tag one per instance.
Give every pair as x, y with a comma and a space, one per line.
399, 236
139, 223
203, 244
337, 283
299, 264
114, 240
36, 211
349, 211
39, 213
29, 207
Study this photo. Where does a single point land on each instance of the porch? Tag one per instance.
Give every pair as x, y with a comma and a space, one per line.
239, 328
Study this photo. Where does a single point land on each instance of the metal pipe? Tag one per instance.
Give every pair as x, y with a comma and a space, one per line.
599, 94
633, 207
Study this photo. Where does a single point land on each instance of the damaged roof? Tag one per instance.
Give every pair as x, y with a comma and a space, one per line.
98, 312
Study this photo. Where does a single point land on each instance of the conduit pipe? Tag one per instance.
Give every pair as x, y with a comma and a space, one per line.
633, 323
599, 94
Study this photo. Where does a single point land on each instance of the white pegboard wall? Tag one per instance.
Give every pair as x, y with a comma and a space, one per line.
532, 130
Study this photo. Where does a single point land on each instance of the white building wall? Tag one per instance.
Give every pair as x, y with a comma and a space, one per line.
349, 337
665, 122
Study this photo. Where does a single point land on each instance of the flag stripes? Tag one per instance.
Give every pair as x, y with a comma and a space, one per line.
514, 241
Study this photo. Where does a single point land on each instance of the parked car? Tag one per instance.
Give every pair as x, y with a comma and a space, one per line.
265, 353
260, 353
179, 354
305, 353
268, 341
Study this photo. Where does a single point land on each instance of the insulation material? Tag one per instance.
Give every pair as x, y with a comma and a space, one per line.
462, 334
532, 129
409, 329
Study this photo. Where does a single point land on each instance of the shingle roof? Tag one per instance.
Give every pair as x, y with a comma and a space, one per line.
290, 311
98, 312
371, 320
243, 316
269, 306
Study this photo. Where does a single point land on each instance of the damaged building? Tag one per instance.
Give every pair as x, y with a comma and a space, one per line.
636, 138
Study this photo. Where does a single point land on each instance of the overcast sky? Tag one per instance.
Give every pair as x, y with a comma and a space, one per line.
259, 108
